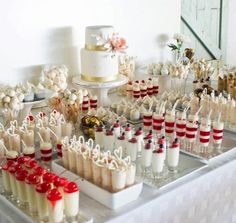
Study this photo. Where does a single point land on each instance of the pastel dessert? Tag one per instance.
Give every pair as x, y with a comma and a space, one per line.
28, 137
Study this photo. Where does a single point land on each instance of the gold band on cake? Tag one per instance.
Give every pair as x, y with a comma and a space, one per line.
98, 79
95, 48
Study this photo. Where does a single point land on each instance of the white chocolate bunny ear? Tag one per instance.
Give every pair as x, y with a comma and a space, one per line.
90, 143
39, 125
65, 141
113, 165
118, 153
127, 160
81, 140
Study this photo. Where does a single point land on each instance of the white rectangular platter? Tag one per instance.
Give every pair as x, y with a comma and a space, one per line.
108, 199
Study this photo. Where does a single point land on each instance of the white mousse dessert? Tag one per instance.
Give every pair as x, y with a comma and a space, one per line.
99, 135
173, 156
71, 199
21, 186
158, 161
41, 200
132, 149
146, 155
55, 206
109, 140
31, 181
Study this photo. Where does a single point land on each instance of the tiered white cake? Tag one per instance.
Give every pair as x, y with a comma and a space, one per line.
97, 63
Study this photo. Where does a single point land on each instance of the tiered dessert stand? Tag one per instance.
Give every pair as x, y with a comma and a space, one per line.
100, 89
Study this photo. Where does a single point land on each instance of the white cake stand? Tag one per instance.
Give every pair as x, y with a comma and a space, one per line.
29, 105
100, 89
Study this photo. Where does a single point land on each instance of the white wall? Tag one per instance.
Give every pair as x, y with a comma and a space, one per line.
231, 34
52, 31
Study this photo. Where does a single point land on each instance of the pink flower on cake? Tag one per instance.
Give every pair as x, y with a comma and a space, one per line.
117, 43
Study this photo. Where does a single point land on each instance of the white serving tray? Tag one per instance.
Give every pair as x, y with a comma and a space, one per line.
108, 199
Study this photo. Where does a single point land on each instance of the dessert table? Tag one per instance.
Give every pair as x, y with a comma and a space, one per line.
206, 196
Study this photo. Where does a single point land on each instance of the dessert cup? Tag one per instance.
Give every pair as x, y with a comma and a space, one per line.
55, 206
46, 134
71, 199
130, 175
118, 179
72, 160
31, 181
29, 151
21, 187
106, 178
46, 151
157, 163
66, 129
28, 138
132, 149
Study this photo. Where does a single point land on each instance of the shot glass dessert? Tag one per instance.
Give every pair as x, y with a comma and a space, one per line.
15, 142
21, 187
118, 179
41, 200
109, 140
218, 129
132, 149
99, 135
147, 120
66, 129
157, 162
146, 156
72, 159
173, 156
45, 133
128, 132
117, 128
71, 199
28, 137
6, 179
31, 181
169, 125
46, 151
158, 120
130, 174
55, 206
204, 135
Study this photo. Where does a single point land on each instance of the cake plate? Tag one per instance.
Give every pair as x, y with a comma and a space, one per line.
29, 105
100, 89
